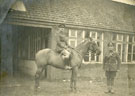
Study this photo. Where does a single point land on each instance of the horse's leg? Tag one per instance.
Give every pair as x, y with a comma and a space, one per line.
37, 76
74, 78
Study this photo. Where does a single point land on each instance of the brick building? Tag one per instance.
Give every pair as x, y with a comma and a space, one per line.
24, 33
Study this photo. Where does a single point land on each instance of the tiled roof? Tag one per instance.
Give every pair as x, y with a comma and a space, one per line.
97, 13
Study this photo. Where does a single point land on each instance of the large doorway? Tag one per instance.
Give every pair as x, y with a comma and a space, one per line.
27, 41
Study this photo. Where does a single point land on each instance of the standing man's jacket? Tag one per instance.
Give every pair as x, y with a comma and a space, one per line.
112, 62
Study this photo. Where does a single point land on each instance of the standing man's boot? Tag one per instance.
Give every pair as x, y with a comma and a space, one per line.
108, 89
112, 91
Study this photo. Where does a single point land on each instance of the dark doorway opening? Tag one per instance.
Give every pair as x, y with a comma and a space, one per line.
27, 42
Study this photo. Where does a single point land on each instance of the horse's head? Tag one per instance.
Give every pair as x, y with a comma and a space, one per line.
93, 47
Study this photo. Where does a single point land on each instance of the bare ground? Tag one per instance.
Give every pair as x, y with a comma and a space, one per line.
20, 86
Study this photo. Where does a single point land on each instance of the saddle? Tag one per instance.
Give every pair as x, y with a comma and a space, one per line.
66, 56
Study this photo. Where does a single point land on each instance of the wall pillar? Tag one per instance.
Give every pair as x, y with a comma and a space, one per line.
51, 45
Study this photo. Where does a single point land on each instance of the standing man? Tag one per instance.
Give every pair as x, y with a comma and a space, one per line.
62, 46
111, 66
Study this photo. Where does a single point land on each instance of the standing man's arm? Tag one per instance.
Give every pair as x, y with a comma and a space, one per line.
118, 61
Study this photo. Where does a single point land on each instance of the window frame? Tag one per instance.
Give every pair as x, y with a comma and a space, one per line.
69, 41
70, 33
117, 39
82, 36
96, 40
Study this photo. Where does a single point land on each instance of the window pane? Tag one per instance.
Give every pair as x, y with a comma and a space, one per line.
133, 57
129, 57
98, 43
86, 57
134, 49
97, 58
125, 38
93, 34
87, 34
124, 53
72, 43
130, 38
92, 57
129, 48
119, 37
73, 33
114, 37
99, 35
119, 49
114, 45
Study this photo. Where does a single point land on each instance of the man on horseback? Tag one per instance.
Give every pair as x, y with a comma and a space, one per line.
62, 46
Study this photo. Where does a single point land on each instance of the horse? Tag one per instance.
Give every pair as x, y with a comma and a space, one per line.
50, 57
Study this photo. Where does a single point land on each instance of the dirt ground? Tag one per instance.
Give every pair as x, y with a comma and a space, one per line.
23, 86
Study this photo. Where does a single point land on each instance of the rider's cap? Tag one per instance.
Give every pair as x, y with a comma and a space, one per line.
110, 44
61, 26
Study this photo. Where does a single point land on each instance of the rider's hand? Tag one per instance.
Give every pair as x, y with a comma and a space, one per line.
65, 47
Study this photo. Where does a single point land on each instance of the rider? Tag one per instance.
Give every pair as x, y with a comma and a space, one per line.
62, 46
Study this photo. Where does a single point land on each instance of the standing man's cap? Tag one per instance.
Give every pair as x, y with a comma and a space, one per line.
110, 44
61, 26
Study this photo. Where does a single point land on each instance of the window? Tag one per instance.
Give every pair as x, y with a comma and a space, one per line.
98, 37
125, 46
79, 35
